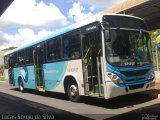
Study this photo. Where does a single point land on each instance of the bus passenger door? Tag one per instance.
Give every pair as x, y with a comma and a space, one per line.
10, 70
38, 56
92, 71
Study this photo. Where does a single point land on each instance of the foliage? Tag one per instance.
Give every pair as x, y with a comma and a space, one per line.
10, 48
2, 78
154, 34
1, 67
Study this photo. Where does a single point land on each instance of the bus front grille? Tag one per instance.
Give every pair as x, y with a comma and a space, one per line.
135, 72
136, 79
132, 87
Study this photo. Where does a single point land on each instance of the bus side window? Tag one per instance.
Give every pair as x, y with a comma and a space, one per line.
11, 62
29, 55
6, 62
71, 45
54, 49
15, 59
21, 58
65, 48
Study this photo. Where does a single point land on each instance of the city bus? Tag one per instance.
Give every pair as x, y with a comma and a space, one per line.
103, 56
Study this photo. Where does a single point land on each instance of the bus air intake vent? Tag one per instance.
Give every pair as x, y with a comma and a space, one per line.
135, 73
132, 87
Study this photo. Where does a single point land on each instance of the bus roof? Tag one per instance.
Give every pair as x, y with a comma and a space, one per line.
94, 18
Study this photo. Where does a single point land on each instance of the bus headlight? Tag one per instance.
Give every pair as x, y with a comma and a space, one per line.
151, 75
114, 78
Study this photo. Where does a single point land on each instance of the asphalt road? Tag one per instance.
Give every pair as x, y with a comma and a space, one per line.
35, 105
12, 107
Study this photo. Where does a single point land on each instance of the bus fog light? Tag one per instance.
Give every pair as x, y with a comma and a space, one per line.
114, 78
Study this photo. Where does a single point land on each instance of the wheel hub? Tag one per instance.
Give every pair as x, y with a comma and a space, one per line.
21, 87
73, 90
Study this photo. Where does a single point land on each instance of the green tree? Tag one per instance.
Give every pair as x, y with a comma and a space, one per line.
154, 34
1, 67
10, 48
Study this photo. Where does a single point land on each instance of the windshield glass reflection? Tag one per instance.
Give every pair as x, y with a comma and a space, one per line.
128, 48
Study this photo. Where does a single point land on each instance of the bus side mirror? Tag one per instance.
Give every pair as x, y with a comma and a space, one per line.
107, 35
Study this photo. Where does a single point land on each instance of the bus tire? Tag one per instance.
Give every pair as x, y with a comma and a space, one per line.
21, 86
73, 92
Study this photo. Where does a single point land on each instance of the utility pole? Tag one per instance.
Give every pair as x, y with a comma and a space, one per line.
73, 18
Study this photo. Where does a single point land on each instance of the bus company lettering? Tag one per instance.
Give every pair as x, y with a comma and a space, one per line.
51, 71
91, 28
129, 63
72, 70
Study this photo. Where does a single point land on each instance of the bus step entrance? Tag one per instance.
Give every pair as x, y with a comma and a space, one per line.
99, 89
95, 95
95, 90
93, 80
40, 88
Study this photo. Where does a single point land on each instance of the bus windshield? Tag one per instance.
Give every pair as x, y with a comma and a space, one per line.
128, 47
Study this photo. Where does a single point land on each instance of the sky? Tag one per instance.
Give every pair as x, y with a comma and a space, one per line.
29, 20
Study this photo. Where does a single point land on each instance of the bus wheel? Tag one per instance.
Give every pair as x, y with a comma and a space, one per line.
21, 86
73, 92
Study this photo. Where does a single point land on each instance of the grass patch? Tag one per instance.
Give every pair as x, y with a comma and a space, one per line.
2, 78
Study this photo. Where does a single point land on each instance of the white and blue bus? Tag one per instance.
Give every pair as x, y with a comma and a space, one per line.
104, 56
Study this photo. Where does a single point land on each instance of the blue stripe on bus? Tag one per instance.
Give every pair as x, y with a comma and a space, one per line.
110, 68
53, 74
117, 70
138, 68
134, 83
27, 74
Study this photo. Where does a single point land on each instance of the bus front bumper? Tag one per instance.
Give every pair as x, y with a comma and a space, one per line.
113, 90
